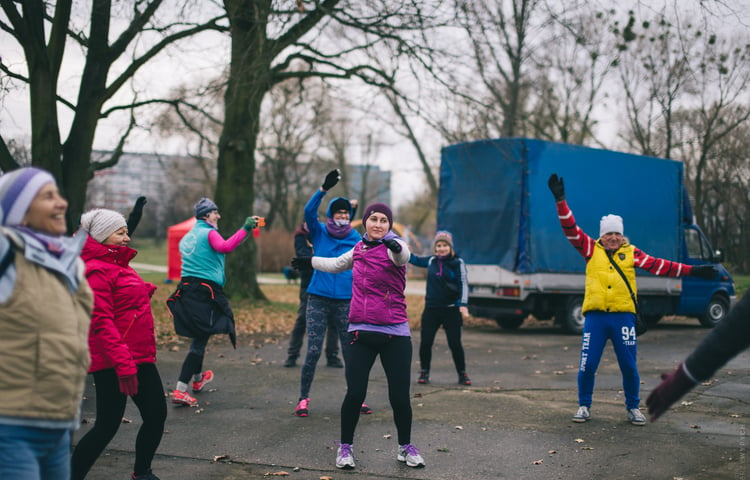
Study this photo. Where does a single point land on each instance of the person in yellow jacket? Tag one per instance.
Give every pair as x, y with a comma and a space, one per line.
608, 308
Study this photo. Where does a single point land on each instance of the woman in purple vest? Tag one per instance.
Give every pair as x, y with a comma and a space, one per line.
378, 325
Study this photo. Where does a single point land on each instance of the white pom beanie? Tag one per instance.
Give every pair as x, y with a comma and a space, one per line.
611, 223
100, 223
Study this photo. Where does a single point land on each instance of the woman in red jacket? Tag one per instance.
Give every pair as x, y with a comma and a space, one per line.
122, 346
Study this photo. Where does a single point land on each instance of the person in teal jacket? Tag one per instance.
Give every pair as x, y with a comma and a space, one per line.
201, 287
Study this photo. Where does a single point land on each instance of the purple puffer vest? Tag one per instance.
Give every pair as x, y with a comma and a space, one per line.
377, 288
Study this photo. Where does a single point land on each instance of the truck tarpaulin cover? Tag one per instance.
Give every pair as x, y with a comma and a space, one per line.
494, 192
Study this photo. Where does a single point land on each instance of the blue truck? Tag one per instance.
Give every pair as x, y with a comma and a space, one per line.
495, 200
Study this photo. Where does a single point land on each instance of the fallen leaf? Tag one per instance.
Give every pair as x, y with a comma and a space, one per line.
126, 420
579, 440
276, 474
734, 415
559, 372
220, 457
552, 451
326, 478
695, 426
537, 462
387, 435
459, 427
587, 448
443, 449
686, 404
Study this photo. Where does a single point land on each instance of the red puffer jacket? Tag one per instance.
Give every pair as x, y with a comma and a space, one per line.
122, 326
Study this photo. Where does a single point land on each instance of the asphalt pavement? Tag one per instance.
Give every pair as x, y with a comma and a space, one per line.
512, 423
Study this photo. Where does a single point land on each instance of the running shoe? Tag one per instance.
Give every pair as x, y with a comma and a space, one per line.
206, 377
303, 408
581, 415
410, 454
344, 458
183, 398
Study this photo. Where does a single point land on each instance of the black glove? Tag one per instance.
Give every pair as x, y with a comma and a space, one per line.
557, 187
302, 264
135, 215
671, 389
704, 271
392, 245
331, 180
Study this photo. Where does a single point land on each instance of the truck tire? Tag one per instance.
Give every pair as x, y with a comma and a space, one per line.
510, 323
716, 311
570, 316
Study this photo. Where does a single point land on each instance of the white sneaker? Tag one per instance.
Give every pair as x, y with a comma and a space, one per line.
344, 458
410, 454
581, 415
636, 417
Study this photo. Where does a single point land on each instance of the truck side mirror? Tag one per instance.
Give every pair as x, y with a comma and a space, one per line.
718, 256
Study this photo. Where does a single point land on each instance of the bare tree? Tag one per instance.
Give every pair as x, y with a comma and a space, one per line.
333, 39
43, 29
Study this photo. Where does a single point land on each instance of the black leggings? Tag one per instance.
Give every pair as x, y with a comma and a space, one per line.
395, 356
451, 320
110, 407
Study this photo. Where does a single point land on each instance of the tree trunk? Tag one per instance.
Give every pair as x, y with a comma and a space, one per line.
249, 80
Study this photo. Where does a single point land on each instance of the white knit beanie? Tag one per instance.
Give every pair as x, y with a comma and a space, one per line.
611, 223
100, 223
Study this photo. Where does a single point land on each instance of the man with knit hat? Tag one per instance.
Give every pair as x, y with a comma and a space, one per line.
45, 308
609, 307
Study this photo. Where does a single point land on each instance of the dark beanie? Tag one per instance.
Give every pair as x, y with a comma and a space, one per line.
340, 204
204, 207
379, 208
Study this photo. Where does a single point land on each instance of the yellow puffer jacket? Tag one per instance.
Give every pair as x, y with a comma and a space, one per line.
605, 289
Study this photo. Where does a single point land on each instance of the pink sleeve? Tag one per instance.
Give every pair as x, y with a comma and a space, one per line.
226, 246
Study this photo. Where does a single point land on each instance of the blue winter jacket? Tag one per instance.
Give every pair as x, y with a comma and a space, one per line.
330, 285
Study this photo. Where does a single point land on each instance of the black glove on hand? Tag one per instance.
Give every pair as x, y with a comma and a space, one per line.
302, 264
557, 187
392, 245
671, 389
331, 180
704, 271
135, 215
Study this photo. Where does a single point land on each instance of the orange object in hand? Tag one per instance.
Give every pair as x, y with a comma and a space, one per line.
261, 222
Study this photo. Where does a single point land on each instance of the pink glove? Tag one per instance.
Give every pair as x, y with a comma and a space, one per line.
128, 384
671, 389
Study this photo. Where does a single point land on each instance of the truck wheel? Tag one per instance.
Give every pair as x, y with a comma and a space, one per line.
716, 311
510, 323
570, 315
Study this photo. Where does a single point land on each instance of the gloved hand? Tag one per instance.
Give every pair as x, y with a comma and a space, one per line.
392, 245
128, 384
250, 223
331, 180
557, 187
671, 389
302, 263
135, 215
708, 272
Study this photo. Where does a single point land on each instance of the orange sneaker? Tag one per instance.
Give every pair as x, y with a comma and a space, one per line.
208, 377
183, 398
